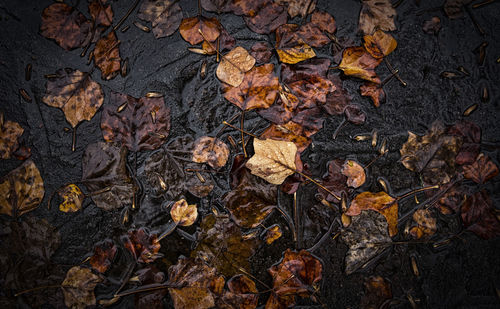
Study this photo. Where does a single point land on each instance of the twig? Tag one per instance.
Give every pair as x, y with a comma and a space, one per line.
474, 21
54, 286
242, 135
393, 71
126, 15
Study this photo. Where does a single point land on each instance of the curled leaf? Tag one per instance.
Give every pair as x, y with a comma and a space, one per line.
354, 172
78, 287
165, 16
231, 70
184, 214
72, 198
143, 245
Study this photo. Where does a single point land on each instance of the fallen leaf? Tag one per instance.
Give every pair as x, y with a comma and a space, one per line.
72, 198
478, 215
218, 6
377, 291
273, 233
258, 89
78, 287
471, 141
210, 150
432, 26
355, 114
101, 12
426, 224
337, 100
452, 200
105, 175
21, 190
299, 7
144, 124
482, 170
354, 172
266, 18
248, 8
357, 62
376, 14
273, 160
231, 70
151, 299
10, 132
107, 56
75, 93
184, 214
241, 294
379, 44
222, 245
288, 132
225, 42
454, 8
165, 16
297, 274
66, 25
334, 180
366, 237
190, 29
262, 52
143, 245
324, 21
195, 276
291, 48
380, 202
104, 253
374, 91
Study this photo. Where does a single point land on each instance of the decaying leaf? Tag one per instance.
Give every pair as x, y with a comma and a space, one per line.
273, 233
290, 132
190, 29
258, 89
324, 21
21, 190
374, 91
242, 294
210, 150
379, 44
261, 51
10, 132
470, 134
231, 70
75, 93
78, 287
107, 56
184, 214
72, 198
195, 276
381, 202
221, 244
366, 237
454, 8
334, 180
376, 14
357, 62
105, 175
143, 245
377, 291
298, 274
478, 215
355, 173
482, 170
144, 124
273, 160
104, 253
66, 25
266, 17
165, 16
290, 46
101, 12
299, 7
426, 224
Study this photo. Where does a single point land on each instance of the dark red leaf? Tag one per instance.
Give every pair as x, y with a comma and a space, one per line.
143, 245
478, 215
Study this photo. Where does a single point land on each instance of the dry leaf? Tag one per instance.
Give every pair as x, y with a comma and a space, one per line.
184, 214
231, 70
374, 91
426, 224
78, 287
107, 56
101, 13
262, 52
273, 160
266, 17
190, 29
75, 93
165, 16
72, 198
21, 190
292, 48
482, 170
354, 172
10, 132
324, 21
290, 132
104, 253
357, 62
210, 150
376, 14
299, 7
381, 202
379, 44
143, 245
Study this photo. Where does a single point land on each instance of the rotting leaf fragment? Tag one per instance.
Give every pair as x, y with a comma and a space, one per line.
184, 214
210, 150
165, 16
72, 198
78, 287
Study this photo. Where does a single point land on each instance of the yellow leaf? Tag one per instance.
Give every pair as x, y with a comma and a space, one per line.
298, 53
72, 198
183, 214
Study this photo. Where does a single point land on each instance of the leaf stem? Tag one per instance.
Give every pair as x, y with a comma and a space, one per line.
242, 131
242, 134
393, 71
126, 15
73, 143
318, 184
416, 191
54, 286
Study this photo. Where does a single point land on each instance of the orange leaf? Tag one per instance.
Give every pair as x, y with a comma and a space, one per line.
357, 62
380, 44
190, 29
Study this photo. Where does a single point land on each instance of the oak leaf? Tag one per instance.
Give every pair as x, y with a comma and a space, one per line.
10, 132
357, 62
78, 287
190, 29
72, 198
165, 16
231, 70
184, 214
104, 253
376, 14
482, 170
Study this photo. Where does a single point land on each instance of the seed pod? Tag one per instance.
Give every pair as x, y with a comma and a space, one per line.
470, 110
482, 53
91, 56
125, 217
49, 76
124, 29
153, 116
326, 203
361, 137
485, 96
215, 212
121, 107
27, 72
416, 199
200, 177
197, 51
203, 69
383, 148
154, 94
346, 220
374, 138
414, 266
383, 184
463, 70
343, 202
141, 26
163, 185
25, 95
124, 68
449, 75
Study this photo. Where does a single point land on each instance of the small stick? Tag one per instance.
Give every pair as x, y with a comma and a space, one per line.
389, 78
480, 4
393, 71
54, 286
474, 21
242, 134
73, 145
416, 191
126, 15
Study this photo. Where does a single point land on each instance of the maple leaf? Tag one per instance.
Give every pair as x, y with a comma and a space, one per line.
78, 287
21, 190
357, 62
104, 253
143, 124
183, 214
72, 198
478, 215
143, 245
482, 170
231, 70
190, 29
376, 14
107, 56
165, 16
10, 132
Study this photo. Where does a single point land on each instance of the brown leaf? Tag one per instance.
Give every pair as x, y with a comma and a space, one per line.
337, 100
290, 132
78, 287
231, 70
195, 276
273, 160
273, 233
72, 198
334, 180
107, 56
258, 89
184, 214
143, 245
373, 91
150, 299
21, 190
297, 274
101, 13
376, 14
144, 124
104, 253
354, 172
266, 18
75, 93
354, 114
242, 294
426, 224
324, 21
299, 7
357, 62
190, 29
218, 6
261, 51
380, 202
482, 170
210, 150
165, 16
379, 44
478, 215
377, 291
66, 25
292, 48
471, 137
10, 132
